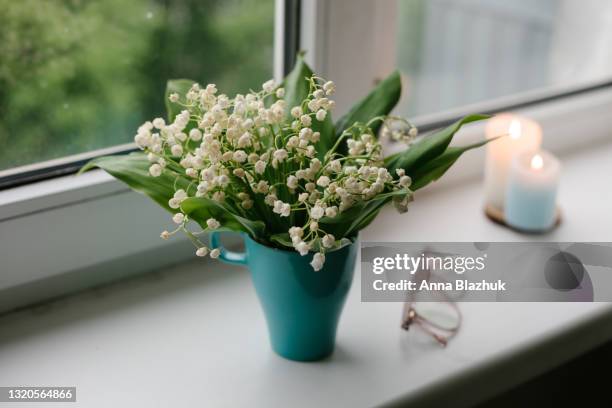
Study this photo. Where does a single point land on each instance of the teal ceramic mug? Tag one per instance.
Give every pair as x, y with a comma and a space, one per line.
302, 307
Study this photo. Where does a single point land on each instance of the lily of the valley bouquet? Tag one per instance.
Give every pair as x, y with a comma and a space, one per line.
273, 164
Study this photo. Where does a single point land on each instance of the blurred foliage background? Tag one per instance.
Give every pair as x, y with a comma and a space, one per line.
78, 75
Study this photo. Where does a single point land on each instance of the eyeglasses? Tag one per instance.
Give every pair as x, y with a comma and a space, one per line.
440, 332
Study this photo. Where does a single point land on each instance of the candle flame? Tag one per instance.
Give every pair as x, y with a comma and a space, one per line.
537, 162
515, 129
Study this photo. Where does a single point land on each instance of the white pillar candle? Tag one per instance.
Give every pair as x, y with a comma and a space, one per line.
519, 135
531, 194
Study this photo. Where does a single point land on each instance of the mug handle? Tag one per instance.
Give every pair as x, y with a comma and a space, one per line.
230, 257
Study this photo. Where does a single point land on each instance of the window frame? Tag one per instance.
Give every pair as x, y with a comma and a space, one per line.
562, 112
326, 44
48, 192
344, 51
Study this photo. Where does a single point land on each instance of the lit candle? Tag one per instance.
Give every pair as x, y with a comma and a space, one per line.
519, 135
531, 194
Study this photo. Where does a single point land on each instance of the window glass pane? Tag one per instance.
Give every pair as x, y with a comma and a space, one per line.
78, 75
456, 52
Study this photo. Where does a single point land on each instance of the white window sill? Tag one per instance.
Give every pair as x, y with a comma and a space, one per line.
57, 192
195, 334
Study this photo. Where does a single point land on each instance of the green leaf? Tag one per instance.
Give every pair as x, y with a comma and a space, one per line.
428, 148
201, 209
296, 84
371, 210
297, 87
317, 246
327, 140
349, 221
133, 170
181, 87
380, 101
437, 167
284, 240
339, 225
367, 219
